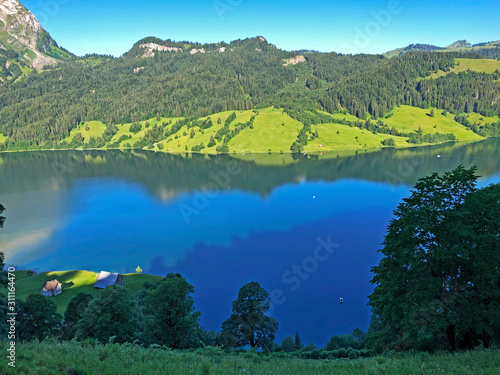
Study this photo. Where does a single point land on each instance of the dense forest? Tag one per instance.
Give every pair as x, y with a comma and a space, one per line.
173, 79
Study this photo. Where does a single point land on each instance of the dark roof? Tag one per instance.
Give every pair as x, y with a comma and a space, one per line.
106, 279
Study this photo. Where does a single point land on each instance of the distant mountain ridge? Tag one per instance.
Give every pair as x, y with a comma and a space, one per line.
150, 46
23, 42
489, 50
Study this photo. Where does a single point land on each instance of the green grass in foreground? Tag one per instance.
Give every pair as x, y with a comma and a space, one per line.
73, 282
50, 357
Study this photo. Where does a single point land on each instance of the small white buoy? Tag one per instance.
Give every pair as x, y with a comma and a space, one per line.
439, 156
314, 197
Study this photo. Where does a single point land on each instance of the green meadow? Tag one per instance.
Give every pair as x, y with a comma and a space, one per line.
335, 137
274, 131
88, 130
72, 283
481, 120
184, 134
408, 119
475, 65
87, 357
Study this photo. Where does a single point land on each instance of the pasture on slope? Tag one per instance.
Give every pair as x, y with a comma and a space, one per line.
481, 120
73, 282
347, 138
273, 130
183, 141
95, 129
408, 119
475, 65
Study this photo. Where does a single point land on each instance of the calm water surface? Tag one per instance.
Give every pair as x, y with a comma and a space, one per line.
224, 221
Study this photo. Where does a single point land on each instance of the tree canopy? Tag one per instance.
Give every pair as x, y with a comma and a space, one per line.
111, 316
438, 284
37, 318
75, 311
171, 318
248, 324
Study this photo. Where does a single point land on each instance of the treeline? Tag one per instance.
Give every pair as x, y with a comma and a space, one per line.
309, 118
486, 130
43, 108
162, 315
399, 81
47, 106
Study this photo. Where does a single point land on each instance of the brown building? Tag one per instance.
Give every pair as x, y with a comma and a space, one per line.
51, 288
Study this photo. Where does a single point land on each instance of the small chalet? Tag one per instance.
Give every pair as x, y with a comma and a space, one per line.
51, 288
105, 279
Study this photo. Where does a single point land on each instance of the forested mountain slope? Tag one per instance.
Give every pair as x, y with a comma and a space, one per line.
187, 82
24, 44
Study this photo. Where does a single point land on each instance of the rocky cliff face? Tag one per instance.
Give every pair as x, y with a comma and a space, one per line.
23, 34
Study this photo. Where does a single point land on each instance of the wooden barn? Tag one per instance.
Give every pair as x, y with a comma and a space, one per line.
51, 288
105, 279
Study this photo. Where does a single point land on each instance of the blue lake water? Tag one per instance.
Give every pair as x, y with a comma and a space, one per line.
307, 229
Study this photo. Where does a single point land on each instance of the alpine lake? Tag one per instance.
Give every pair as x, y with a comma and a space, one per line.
307, 228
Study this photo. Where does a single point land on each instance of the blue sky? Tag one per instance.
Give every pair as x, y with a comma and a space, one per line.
369, 26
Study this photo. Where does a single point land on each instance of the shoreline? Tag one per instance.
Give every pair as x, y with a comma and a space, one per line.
247, 152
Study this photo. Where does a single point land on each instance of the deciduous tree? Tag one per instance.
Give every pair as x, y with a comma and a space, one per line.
171, 318
248, 323
438, 283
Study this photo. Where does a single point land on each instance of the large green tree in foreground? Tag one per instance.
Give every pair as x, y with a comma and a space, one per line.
248, 324
438, 284
74, 312
37, 318
111, 316
171, 318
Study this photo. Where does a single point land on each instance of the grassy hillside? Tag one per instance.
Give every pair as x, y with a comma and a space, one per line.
408, 119
184, 134
476, 65
482, 120
87, 358
95, 129
335, 137
274, 131
73, 282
